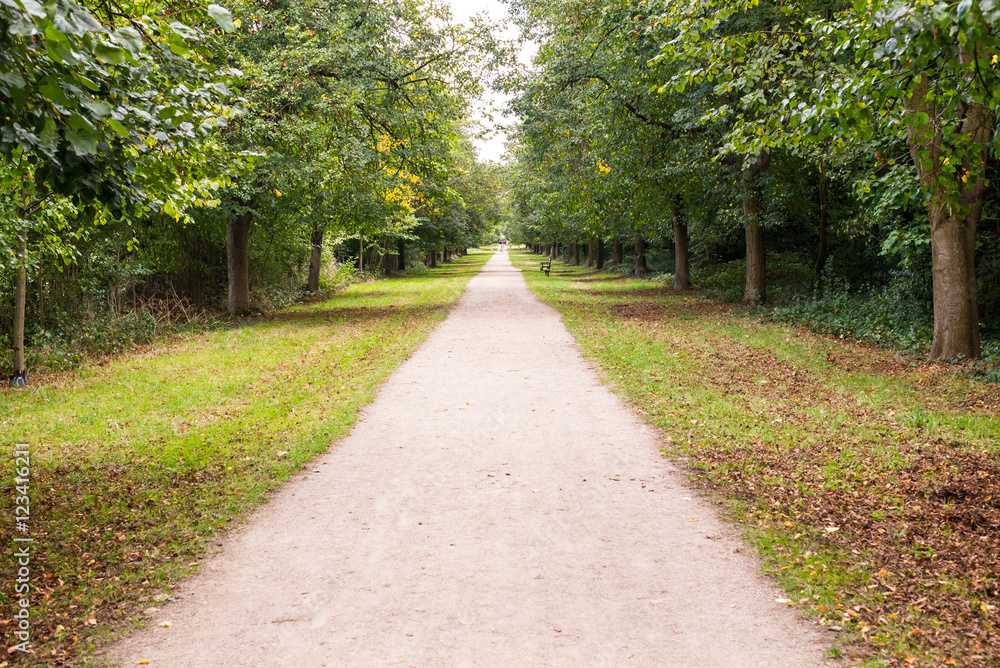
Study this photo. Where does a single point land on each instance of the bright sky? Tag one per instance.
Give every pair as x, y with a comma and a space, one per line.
491, 149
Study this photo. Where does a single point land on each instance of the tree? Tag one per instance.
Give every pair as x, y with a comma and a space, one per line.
96, 110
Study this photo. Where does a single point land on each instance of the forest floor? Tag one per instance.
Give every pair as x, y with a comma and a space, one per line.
869, 483
140, 462
495, 505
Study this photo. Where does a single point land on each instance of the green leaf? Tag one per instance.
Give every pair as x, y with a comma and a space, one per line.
98, 107
33, 8
13, 78
48, 133
963, 9
221, 16
117, 127
83, 143
109, 54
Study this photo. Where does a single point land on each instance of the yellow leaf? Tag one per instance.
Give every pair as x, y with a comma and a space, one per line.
166, 624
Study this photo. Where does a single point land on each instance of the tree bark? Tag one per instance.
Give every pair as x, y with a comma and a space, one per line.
41, 297
591, 253
599, 262
554, 251
315, 258
821, 252
756, 284
953, 224
434, 256
401, 257
755, 292
20, 293
682, 261
238, 251
640, 256
576, 254
616, 251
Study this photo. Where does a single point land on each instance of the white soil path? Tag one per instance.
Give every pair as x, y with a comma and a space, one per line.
495, 506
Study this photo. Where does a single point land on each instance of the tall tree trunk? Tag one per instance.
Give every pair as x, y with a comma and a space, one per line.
576, 253
821, 252
640, 256
953, 228
756, 284
682, 261
599, 262
554, 251
315, 258
434, 257
238, 251
20, 292
616, 251
751, 189
444, 256
591, 253
401, 254
41, 297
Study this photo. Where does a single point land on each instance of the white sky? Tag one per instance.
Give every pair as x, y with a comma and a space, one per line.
491, 149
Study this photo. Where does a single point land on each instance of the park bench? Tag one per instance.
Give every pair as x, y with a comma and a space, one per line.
546, 266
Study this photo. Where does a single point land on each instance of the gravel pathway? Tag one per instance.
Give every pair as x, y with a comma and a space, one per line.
495, 506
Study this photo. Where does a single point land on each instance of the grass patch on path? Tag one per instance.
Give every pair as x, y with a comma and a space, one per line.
870, 485
137, 465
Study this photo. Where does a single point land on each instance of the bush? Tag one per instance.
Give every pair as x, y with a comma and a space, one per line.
897, 315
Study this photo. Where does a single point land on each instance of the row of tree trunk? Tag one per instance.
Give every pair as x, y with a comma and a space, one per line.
595, 252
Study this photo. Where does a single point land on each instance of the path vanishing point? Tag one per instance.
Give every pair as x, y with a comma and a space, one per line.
494, 506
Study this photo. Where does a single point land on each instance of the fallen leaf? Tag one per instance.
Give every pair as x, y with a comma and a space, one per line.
166, 625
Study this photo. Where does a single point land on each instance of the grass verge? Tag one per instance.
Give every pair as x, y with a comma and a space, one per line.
870, 486
137, 465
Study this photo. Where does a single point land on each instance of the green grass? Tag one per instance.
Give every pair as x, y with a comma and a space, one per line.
865, 481
138, 463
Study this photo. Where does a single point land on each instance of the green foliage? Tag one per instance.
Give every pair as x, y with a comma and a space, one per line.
895, 315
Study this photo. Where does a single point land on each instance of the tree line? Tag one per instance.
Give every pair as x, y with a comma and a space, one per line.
858, 136
222, 157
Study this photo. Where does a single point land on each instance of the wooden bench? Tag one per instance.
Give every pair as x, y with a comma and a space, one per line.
546, 266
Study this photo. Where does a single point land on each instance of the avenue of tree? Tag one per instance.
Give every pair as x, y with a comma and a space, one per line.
865, 127
222, 156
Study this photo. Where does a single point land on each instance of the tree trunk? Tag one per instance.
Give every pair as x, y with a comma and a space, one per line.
41, 297
616, 251
554, 251
401, 257
315, 258
640, 256
953, 228
238, 250
599, 263
821, 252
576, 253
434, 257
755, 292
682, 261
591, 253
756, 283
20, 293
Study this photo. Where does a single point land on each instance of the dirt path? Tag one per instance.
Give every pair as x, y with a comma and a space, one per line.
495, 506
